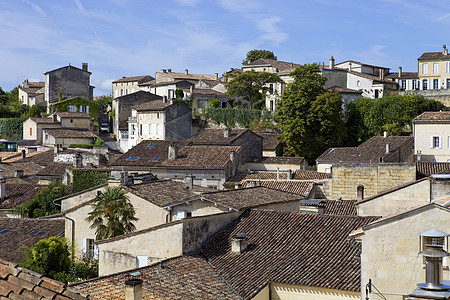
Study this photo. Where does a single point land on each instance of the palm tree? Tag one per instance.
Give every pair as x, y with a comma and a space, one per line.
112, 214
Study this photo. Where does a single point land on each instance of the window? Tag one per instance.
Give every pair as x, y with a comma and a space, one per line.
425, 84
403, 84
358, 83
448, 66
435, 84
89, 249
376, 94
171, 94
414, 84
72, 108
31, 131
180, 215
435, 142
448, 83
140, 129
71, 120
158, 115
424, 68
435, 68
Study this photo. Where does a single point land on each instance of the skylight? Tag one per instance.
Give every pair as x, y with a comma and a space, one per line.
37, 232
132, 158
151, 145
157, 159
4, 231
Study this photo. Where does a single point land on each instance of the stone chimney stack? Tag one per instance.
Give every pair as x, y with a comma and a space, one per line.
349, 66
84, 67
164, 99
173, 152
239, 243
186, 72
216, 76
78, 163
289, 174
380, 71
399, 72
18, 173
388, 148
2, 189
331, 63
133, 289
24, 154
226, 132
385, 134
189, 181
444, 50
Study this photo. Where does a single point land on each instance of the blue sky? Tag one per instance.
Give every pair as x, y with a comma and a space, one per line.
139, 37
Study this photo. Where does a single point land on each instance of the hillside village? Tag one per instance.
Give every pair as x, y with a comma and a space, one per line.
226, 213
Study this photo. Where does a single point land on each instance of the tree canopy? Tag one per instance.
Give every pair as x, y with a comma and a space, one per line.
42, 204
112, 213
310, 118
393, 113
257, 54
252, 86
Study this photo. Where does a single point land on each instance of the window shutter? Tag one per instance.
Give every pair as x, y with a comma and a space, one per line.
83, 247
431, 142
440, 143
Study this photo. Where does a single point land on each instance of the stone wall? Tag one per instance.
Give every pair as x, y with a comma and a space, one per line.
178, 122
442, 95
251, 145
374, 177
70, 82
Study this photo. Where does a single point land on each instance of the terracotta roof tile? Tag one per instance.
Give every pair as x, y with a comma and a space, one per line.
17, 194
69, 133
212, 136
176, 76
207, 92
282, 66
433, 116
139, 79
278, 160
299, 187
405, 75
434, 55
18, 235
74, 115
156, 104
334, 207
42, 120
297, 175
28, 168
425, 169
291, 248
54, 169
40, 158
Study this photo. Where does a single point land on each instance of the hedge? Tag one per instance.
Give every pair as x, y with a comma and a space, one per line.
11, 128
85, 179
77, 101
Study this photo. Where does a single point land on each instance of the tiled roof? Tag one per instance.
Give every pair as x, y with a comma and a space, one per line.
73, 115
28, 168
364, 64
291, 248
250, 197
188, 76
154, 153
69, 133
186, 277
17, 194
207, 92
211, 136
40, 158
299, 187
19, 283
433, 117
297, 175
372, 77
310, 175
425, 169
282, 66
156, 104
139, 79
15, 233
270, 140
405, 75
165, 192
434, 55
370, 151
42, 120
281, 160
34, 84
174, 82
343, 90
335, 207
141, 95
55, 169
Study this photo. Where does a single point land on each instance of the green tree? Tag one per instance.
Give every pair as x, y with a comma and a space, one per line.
257, 54
48, 257
104, 101
252, 86
393, 113
34, 111
179, 94
42, 204
112, 213
310, 118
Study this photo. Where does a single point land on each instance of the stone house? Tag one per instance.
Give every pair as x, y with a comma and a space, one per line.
31, 93
159, 120
271, 145
67, 136
407, 81
167, 75
68, 82
434, 70
279, 163
129, 85
32, 128
431, 132
390, 248
285, 262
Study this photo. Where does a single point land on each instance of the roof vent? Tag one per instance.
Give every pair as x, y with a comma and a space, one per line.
239, 243
432, 244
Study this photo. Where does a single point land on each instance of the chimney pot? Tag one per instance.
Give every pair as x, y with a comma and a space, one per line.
133, 289
239, 243
399, 72
186, 72
169, 70
444, 50
84, 67
331, 63
24, 154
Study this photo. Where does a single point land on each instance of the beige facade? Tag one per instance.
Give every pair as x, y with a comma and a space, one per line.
84, 123
434, 70
125, 88
32, 129
390, 250
146, 125
280, 291
432, 141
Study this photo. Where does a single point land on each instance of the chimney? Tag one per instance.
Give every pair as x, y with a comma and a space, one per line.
169, 70
360, 193
238, 186
2, 189
133, 289
55, 118
164, 99
216, 76
84, 67
163, 70
385, 134
331, 63
233, 162
239, 243
399, 72
78, 163
18, 173
56, 148
444, 50
24, 154
289, 174
186, 72
173, 152
388, 148
226, 132
349, 66
189, 181
432, 245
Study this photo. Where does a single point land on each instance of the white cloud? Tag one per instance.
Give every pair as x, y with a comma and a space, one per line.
80, 7
442, 17
36, 8
106, 84
271, 31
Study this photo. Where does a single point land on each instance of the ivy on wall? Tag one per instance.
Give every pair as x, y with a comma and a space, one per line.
233, 117
85, 179
11, 128
78, 101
